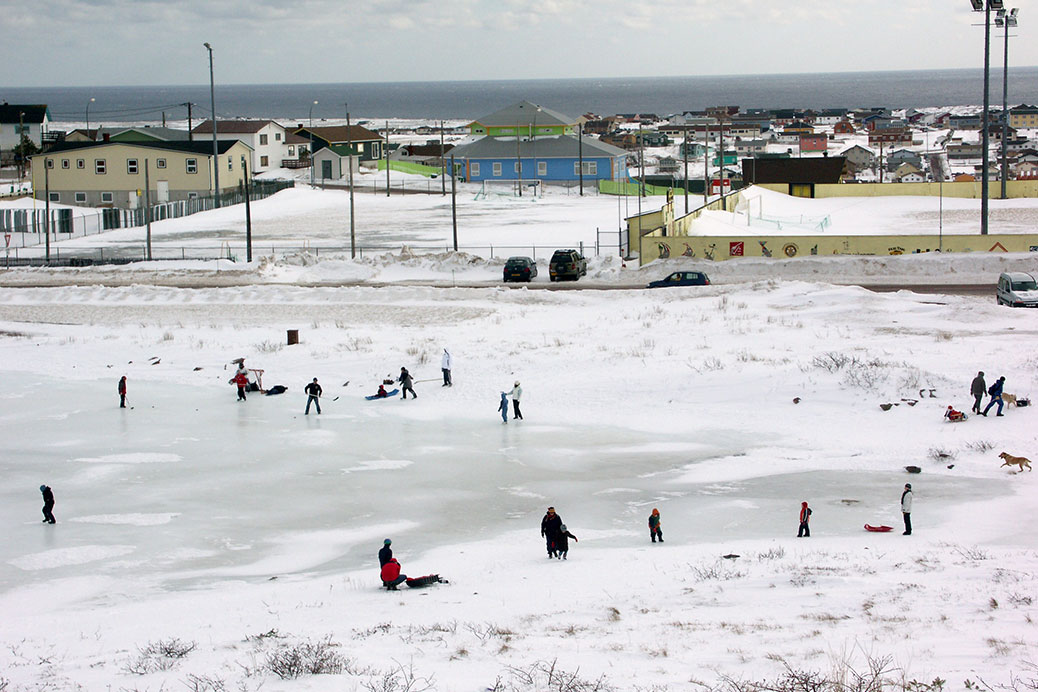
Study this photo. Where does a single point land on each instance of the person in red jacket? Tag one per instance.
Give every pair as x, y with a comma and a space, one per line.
805, 518
122, 392
242, 380
391, 576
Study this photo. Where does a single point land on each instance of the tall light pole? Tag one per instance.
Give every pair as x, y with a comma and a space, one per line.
349, 147
88, 117
216, 152
1005, 21
985, 6
311, 129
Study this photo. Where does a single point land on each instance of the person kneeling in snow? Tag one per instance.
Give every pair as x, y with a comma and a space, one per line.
953, 415
391, 576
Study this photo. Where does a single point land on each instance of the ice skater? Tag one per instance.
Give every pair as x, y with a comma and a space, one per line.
445, 365
48, 504
391, 576
517, 393
977, 388
906, 509
242, 381
313, 391
995, 391
655, 527
805, 518
385, 554
550, 526
406, 382
122, 392
503, 407
562, 547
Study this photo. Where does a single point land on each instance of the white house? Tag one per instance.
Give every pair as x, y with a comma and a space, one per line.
267, 139
14, 117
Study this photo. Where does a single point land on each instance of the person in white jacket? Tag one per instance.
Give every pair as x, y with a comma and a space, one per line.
517, 393
445, 364
906, 509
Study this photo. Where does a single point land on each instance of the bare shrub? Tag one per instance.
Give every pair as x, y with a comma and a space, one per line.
940, 454
306, 658
548, 677
943, 336
269, 346
832, 361
972, 553
158, 656
204, 683
167, 336
773, 553
716, 572
865, 375
980, 446
400, 679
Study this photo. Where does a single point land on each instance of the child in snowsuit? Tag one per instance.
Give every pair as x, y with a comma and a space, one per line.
562, 545
122, 392
48, 504
242, 381
391, 576
406, 381
655, 527
503, 408
805, 517
381, 393
953, 415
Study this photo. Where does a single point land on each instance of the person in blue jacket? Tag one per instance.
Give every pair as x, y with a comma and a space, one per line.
996, 397
503, 408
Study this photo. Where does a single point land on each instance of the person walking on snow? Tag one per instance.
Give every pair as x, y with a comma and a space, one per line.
242, 381
977, 389
562, 547
122, 392
517, 393
996, 397
906, 509
48, 504
445, 365
655, 527
313, 391
406, 381
391, 576
550, 527
385, 554
805, 517
503, 407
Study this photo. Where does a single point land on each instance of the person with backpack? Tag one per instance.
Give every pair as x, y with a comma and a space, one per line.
122, 392
406, 383
48, 504
562, 546
391, 576
655, 527
906, 509
805, 517
996, 397
313, 391
977, 389
550, 528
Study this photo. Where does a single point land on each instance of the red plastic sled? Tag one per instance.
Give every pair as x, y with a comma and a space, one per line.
878, 529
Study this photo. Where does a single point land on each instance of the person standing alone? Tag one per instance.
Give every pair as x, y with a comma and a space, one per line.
122, 392
445, 365
906, 509
805, 517
977, 389
655, 527
517, 393
48, 504
313, 391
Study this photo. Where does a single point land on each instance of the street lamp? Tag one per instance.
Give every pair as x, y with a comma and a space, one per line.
216, 153
985, 6
1005, 21
88, 117
311, 130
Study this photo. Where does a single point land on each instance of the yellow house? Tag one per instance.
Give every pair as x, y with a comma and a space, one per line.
112, 174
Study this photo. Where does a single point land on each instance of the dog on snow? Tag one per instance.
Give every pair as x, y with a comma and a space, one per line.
1010, 460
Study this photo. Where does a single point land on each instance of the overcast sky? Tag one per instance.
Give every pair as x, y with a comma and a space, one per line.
148, 42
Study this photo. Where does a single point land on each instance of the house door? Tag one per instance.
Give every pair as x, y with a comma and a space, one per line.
162, 195
326, 169
801, 190
132, 200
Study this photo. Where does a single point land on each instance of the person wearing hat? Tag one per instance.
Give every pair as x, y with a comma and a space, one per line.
48, 504
655, 527
906, 509
386, 554
517, 393
977, 389
313, 391
996, 397
503, 407
551, 526
805, 521
562, 547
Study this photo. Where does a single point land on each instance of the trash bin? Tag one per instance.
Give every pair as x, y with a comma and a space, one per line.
293, 337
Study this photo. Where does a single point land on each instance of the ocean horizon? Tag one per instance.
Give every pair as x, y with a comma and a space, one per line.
452, 100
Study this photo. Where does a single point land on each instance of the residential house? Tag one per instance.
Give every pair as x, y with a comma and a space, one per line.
32, 119
525, 119
648, 138
669, 164
265, 138
1024, 116
907, 173
830, 116
843, 127
901, 156
798, 127
965, 122
1025, 170
961, 152
694, 149
549, 159
814, 142
112, 174
861, 157
890, 135
333, 162
367, 145
750, 146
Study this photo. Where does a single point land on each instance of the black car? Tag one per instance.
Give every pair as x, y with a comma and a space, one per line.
567, 264
682, 279
520, 269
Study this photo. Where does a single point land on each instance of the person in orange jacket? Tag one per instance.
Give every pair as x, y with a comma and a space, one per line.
655, 527
242, 380
391, 576
805, 517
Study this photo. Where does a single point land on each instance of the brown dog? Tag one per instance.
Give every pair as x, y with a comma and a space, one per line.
1009, 399
1010, 460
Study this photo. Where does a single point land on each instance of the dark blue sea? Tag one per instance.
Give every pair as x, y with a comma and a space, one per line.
471, 99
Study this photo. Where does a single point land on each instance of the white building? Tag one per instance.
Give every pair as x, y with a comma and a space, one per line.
267, 139
14, 117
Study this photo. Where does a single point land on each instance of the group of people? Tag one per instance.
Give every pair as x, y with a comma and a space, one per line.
517, 395
556, 535
906, 514
978, 388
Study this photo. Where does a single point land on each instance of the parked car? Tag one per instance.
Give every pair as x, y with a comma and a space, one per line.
1017, 290
520, 269
567, 264
682, 279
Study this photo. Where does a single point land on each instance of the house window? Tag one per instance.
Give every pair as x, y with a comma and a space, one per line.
55, 197
497, 169
376, 152
80, 163
80, 198
192, 195
277, 136
230, 163
192, 165
592, 167
264, 161
50, 163
291, 150
106, 198
131, 166
474, 167
542, 168
65, 164
160, 163
100, 167
516, 169
263, 139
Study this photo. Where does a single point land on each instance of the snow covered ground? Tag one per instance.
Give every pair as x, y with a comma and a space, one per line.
207, 544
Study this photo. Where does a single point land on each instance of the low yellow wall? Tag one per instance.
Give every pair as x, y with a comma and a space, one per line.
1015, 189
782, 247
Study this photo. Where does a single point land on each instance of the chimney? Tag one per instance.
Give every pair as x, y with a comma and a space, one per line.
107, 136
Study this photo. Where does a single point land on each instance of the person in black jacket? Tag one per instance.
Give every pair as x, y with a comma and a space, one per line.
48, 504
386, 554
995, 391
977, 389
122, 392
314, 390
563, 543
406, 382
551, 528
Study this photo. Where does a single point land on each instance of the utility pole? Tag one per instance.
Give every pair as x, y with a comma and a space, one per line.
518, 159
706, 163
387, 158
190, 133
248, 209
46, 207
720, 158
349, 145
685, 148
454, 205
580, 155
443, 165
216, 154
147, 207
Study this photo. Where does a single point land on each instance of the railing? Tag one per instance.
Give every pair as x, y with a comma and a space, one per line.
295, 163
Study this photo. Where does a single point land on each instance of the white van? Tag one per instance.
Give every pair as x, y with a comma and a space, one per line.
1017, 290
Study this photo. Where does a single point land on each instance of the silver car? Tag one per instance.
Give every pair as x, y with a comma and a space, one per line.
1017, 290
